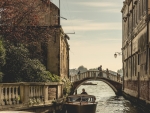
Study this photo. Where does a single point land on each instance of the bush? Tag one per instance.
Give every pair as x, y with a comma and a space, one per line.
20, 68
67, 86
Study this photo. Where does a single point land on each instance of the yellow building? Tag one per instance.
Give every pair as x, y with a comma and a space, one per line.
58, 54
57, 45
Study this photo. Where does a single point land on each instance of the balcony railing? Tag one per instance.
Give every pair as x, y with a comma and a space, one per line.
29, 94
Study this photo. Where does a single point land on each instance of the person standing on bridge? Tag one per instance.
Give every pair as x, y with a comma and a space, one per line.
100, 71
107, 72
118, 77
79, 75
83, 91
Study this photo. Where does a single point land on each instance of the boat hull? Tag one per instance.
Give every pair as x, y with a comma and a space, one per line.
77, 108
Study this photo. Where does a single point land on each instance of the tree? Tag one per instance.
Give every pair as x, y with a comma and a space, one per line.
2, 58
20, 19
2, 54
23, 12
82, 68
23, 21
20, 68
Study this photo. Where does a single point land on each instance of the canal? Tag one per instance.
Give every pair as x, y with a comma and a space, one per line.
108, 102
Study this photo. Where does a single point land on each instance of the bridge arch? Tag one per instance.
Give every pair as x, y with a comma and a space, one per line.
109, 84
116, 86
113, 80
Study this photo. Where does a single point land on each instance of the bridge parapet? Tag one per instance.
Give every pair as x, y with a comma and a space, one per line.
23, 95
91, 74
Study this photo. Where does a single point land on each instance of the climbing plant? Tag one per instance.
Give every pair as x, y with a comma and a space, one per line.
67, 86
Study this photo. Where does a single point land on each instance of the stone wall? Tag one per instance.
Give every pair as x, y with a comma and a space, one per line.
135, 48
58, 54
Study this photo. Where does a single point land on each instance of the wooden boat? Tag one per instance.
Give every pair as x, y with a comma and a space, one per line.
88, 83
81, 104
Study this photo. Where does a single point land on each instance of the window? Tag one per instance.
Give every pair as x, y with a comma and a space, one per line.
138, 59
139, 11
144, 5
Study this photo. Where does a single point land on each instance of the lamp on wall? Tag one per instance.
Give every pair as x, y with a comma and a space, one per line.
117, 53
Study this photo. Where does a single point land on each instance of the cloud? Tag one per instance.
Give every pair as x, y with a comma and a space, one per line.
100, 4
116, 10
76, 21
94, 26
89, 25
112, 39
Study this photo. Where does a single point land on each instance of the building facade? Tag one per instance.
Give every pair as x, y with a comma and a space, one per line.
58, 54
57, 44
42, 25
136, 48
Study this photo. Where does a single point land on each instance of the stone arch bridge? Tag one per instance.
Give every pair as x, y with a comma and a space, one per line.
114, 81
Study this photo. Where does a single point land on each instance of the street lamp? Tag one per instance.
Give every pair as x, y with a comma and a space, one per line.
119, 53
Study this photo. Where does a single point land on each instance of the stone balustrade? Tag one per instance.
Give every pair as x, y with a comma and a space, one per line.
89, 74
29, 94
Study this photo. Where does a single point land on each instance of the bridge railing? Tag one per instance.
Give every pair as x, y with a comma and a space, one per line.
29, 94
89, 74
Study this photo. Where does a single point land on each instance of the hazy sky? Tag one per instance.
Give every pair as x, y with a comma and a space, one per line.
98, 32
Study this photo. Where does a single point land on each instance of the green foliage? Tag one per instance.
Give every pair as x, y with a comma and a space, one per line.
1, 76
20, 68
54, 78
2, 58
2, 54
67, 86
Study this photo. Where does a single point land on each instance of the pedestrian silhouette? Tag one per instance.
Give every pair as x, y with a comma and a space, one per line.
100, 71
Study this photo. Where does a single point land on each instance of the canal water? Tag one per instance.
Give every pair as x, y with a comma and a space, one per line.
108, 102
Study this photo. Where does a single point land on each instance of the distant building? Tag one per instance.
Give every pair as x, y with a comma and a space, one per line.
135, 48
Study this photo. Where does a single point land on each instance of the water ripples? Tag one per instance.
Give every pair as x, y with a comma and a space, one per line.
108, 102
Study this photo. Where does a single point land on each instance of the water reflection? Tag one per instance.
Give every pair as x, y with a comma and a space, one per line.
108, 102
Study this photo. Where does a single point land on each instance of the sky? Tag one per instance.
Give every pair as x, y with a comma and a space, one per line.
98, 32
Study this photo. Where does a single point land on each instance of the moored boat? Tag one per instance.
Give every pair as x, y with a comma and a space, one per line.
81, 104
88, 83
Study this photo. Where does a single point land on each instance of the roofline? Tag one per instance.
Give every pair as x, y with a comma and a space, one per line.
54, 5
